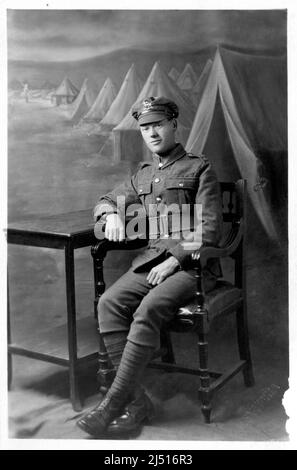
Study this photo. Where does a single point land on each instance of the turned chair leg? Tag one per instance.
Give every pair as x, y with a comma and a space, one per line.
244, 346
205, 394
202, 327
105, 373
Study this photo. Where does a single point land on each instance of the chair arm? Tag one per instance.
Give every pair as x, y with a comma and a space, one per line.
227, 249
98, 252
103, 246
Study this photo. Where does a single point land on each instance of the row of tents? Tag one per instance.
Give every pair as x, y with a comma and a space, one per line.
110, 110
187, 81
235, 112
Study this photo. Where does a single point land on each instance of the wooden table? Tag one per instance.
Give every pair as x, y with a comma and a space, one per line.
59, 345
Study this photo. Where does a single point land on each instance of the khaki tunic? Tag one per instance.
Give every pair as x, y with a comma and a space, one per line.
183, 179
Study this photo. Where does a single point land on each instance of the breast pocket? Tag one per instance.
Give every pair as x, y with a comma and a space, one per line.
180, 190
144, 191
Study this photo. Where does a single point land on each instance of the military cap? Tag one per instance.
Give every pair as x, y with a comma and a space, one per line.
154, 109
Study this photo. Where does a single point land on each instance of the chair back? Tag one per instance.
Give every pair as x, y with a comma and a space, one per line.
233, 200
234, 213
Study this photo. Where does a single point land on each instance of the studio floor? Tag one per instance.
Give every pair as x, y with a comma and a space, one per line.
39, 407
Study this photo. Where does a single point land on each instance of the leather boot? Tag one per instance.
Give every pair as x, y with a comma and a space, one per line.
130, 422
96, 421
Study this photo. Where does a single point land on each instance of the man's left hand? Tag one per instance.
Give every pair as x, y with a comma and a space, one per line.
160, 272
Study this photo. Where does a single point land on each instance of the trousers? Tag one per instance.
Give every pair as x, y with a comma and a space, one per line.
134, 306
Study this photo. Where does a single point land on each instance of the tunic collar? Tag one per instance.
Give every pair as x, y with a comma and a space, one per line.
175, 154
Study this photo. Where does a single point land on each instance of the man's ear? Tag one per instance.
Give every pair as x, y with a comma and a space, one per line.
174, 124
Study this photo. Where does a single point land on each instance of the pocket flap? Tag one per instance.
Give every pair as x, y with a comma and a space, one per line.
144, 188
180, 182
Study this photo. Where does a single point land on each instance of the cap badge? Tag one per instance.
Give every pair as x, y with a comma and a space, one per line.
147, 104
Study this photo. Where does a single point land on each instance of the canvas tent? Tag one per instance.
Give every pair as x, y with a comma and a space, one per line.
82, 103
126, 96
200, 84
65, 93
128, 142
187, 78
174, 74
250, 93
102, 103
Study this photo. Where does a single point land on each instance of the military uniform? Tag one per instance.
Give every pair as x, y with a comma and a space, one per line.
133, 310
132, 304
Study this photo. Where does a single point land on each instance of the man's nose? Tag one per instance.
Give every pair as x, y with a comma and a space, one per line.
153, 131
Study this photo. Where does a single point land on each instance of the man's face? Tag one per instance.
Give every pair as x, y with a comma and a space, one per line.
159, 136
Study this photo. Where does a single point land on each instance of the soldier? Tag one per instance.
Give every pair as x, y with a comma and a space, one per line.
161, 279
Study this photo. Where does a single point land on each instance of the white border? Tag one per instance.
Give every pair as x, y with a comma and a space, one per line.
289, 400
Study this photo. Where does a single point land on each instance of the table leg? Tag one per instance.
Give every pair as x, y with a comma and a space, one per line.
71, 324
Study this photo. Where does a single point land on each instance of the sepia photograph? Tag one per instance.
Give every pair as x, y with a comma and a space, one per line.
147, 225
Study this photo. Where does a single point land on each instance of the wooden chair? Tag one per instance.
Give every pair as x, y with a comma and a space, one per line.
226, 298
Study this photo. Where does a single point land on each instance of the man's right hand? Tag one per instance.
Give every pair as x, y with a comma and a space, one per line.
114, 228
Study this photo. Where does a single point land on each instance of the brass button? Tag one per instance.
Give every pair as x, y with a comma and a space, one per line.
140, 190
181, 184
157, 180
158, 199
161, 164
